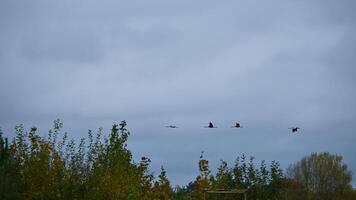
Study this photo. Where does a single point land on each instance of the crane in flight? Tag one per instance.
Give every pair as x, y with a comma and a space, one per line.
210, 125
294, 129
237, 125
172, 126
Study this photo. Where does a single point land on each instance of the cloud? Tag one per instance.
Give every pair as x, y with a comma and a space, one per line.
270, 65
63, 46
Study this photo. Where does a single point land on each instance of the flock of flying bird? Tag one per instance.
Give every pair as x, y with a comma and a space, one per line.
237, 125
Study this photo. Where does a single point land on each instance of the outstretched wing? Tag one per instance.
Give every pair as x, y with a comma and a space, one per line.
172, 126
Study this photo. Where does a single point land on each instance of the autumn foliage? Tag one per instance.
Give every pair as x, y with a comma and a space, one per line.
101, 167
36, 168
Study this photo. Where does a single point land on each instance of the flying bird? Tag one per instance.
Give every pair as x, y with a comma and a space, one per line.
172, 126
201, 155
294, 129
210, 125
237, 125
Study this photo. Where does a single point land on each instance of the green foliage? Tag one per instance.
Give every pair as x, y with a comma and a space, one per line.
57, 167
10, 184
204, 180
319, 176
185, 192
33, 167
262, 182
162, 189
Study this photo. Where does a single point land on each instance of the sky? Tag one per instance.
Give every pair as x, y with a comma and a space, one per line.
269, 65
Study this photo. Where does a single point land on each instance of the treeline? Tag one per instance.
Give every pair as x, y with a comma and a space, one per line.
33, 167
262, 182
320, 176
101, 167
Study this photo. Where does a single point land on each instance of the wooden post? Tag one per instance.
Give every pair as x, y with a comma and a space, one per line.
222, 191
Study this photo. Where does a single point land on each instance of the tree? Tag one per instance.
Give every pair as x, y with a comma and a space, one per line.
223, 178
114, 175
34, 167
10, 184
185, 192
40, 166
203, 181
162, 188
321, 176
261, 182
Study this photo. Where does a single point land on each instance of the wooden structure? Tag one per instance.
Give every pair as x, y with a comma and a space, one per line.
222, 191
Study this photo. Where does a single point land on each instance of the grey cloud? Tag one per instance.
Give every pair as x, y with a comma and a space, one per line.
269, 65
63, 46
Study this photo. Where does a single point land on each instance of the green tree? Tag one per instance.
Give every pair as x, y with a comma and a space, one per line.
113, 174
42, 170
203, 180
162, 188
10, 184
34, 167
262, 182
276, 182
223, 178
184, 192
321, 176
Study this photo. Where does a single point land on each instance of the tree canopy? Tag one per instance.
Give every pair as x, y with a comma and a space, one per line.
321, 176
34, 167
101, 167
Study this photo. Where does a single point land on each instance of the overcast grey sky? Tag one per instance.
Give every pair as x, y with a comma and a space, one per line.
268, 64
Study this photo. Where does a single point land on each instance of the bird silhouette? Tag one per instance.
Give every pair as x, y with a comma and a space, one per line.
201, 155
210, 125
172, 126
294, 129
237, 125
